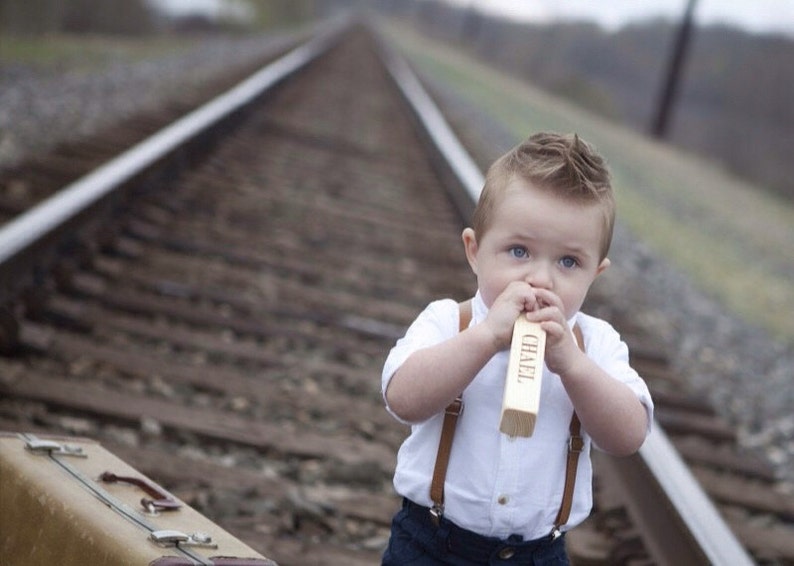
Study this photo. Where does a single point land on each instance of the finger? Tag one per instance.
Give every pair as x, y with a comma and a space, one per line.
546, 298
551, 320
522, 295
554, 331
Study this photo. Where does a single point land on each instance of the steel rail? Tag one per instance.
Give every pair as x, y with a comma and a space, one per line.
28, 240
666, 500
456, 160
660, 486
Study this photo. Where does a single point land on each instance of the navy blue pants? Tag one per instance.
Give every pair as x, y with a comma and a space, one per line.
417, 541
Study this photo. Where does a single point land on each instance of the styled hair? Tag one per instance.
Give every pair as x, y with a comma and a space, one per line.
562, 164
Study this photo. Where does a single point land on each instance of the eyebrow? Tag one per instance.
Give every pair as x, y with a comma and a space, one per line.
572, 248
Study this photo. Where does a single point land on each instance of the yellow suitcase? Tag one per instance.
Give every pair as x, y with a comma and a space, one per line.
68, 501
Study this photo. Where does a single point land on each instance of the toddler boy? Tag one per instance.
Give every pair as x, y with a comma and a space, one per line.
539, 238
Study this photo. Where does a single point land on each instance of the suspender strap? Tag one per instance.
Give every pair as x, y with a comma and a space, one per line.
575, 447
451, 414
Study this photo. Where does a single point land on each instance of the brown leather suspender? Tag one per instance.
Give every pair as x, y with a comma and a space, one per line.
575, 447
451, 414
454, 409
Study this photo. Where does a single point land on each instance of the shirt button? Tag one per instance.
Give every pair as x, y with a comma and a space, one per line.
503, 499
507, 553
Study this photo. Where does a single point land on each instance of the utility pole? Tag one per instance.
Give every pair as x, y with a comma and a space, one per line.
675, 67
471, 23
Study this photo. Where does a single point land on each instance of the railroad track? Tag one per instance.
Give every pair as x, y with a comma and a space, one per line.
224, 330
24, 184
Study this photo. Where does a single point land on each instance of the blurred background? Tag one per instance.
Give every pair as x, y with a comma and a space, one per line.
691, 100
734, 99
729, 64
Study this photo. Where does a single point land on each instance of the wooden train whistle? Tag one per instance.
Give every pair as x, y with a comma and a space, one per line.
524, 374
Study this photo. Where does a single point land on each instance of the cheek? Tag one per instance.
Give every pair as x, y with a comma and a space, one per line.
491, 287
487, 293
572, 297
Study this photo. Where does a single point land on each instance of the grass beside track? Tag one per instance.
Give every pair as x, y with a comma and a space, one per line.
735, 240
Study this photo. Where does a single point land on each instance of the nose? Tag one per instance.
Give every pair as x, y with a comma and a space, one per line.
539, 275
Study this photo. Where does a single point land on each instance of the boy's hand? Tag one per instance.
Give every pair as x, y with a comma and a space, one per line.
517, 297
561, 348
538, 305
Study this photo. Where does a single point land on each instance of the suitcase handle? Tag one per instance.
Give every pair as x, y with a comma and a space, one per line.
160, 498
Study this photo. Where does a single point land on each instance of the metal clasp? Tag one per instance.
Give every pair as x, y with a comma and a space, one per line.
575, 444
178, 538
40, 446
555, 533
455, 408
436, 513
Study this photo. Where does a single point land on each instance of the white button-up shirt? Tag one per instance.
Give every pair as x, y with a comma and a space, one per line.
496, 485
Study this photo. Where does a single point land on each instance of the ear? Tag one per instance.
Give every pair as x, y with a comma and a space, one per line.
470, 247
602, 266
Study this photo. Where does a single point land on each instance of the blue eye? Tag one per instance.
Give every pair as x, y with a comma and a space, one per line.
518, 252
569, 262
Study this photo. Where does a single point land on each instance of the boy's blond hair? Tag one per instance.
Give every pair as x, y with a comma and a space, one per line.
563, 164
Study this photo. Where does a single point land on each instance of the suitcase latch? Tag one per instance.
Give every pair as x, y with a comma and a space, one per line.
178, 538
41, 446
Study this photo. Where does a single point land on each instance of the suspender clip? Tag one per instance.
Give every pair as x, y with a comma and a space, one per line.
455, 408
436, 512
